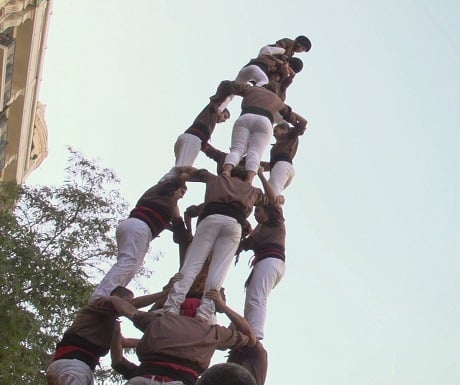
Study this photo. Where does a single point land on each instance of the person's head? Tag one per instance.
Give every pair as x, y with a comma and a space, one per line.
180, 192
261, 214
296, 64
172, 187
226, 374
280, 130
302, 44
123, 293
239, 172
223, 115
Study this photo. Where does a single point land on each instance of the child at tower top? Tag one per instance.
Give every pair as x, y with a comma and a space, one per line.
287, 47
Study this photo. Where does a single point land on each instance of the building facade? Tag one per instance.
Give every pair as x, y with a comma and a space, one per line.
23, 131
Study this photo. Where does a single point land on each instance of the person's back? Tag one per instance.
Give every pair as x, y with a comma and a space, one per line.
170, 337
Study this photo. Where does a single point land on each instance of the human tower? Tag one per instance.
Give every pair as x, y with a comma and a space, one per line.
180, 332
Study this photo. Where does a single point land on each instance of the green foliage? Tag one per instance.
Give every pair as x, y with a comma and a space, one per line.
53, 242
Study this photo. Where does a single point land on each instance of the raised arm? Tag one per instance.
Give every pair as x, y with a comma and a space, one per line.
267, 187
299, 122
119, 363
116, 347
237, 320
265, 165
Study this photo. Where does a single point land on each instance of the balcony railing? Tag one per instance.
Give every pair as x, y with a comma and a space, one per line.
3, 142
7, 46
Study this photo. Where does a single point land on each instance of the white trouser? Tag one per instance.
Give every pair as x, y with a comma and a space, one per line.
268, 50
265, 276
251, 135
133, 239
281, 176
247, 74
216, 235
151, 381
252, 73
69, 372
186, 149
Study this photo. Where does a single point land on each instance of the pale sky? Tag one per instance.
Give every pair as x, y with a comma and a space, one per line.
370, 296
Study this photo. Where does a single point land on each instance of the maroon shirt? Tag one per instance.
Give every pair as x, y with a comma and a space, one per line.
221, 189
96, 323
285, 148
288, 45
268, 239
90, 335
258, 100
156, 206
204, 124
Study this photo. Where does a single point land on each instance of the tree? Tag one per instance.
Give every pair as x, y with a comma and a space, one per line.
53, 244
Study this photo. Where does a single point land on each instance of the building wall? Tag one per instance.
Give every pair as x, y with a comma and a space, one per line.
23, 131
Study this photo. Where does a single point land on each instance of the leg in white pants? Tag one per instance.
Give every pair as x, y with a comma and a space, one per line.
216, 234
186, 149
240, 137
133, 239
251, 134
281, 176
69, 372
223, 252
265, 276
247, 74
261, 133
254, 74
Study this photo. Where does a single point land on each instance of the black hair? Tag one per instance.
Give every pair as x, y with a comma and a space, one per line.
296, 64
239, 172
168, 187
226, 374
304, 42
121, 291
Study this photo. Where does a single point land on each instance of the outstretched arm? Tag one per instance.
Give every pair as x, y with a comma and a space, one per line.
123, 307
146, 300
227, 88
299, 122
214, 153
237, 320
